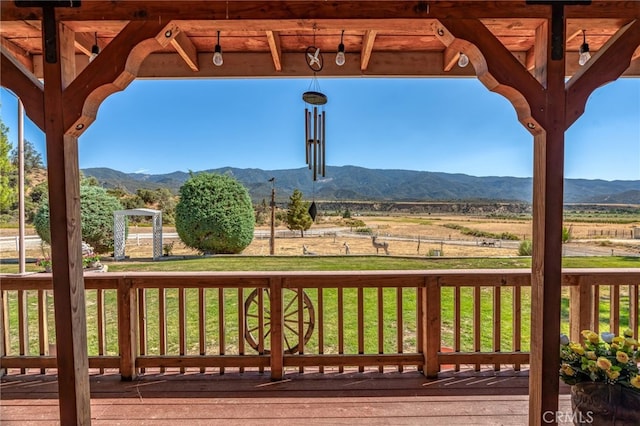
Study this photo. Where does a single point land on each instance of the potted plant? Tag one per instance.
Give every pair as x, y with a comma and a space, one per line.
604, 378
91, 261
45, 262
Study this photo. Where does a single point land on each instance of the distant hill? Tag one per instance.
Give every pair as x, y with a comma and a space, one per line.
358, 183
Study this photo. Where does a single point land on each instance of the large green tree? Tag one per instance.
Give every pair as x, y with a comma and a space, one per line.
214, 214
298, 218
7, 172
32, 158
96, 214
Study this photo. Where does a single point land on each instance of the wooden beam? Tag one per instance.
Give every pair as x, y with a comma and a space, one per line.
546, 269
495, 67
367, 47
450, 58
84, 42
18, 53
24, 84
273, 37
605, 66
112, 70
66, 237
238, 9
173, 35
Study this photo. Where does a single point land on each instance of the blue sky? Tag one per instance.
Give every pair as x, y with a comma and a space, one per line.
443, 125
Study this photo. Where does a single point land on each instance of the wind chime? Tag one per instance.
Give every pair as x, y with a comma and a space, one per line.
315, 120
315, 117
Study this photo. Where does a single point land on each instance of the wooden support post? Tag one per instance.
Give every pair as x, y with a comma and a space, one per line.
66, 238
580, 300
127, 329
432, 325
275, 302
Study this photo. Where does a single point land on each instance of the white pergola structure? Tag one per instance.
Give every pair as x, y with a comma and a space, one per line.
119, 227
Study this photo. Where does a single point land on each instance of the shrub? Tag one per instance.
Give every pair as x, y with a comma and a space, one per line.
215, 214
525, 248
96, 213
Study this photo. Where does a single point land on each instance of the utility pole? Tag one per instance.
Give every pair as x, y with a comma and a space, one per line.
272, 241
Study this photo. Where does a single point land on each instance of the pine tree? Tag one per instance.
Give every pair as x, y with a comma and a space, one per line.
298, 213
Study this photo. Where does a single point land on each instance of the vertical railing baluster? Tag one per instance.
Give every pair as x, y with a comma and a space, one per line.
276, 324
241, 324
162, 323
497, 322
142, 322
633, 309
432, 325
222, 324
400, 324
23, 326
596, 309
340, 326
301, 334
127, 328
321, 325
517, 322
420, 319
457, 323
43, 338
202, 320
380, 327
4, 328
101, 323
182, 324
477, 297
614, 309
360, 324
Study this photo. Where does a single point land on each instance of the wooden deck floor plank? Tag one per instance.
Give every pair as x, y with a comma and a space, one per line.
312, 399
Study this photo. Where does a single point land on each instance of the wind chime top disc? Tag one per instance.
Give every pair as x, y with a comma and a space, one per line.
314, 98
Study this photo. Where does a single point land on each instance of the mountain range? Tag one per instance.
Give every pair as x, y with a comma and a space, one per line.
358, 183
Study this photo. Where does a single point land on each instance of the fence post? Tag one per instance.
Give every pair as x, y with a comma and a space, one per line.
127, 328
580, 303
275, 302
432, 324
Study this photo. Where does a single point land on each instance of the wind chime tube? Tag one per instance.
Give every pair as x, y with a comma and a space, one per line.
315, 143
324, 120
306, 134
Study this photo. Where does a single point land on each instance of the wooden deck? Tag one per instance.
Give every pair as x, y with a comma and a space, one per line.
485, 398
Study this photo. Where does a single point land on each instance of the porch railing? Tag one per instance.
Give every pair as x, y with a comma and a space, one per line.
272, 321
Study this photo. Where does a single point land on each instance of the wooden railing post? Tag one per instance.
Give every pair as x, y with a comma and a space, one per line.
275, 302
127, 328
432, 325
580, 305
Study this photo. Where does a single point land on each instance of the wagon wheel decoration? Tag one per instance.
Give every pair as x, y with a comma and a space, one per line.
290, 312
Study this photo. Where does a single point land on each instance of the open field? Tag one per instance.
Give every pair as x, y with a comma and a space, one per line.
412, 236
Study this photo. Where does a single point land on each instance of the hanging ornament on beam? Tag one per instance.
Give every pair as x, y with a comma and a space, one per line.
315, 116
315, 142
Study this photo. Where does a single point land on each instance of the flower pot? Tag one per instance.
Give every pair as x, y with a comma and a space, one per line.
598, 403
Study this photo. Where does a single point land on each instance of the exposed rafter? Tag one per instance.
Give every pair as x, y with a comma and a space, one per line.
367, 48
273, 37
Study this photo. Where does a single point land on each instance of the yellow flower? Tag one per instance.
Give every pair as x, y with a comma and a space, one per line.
613, 374
628, 333
630, 342
577, 348
603, 363
618, 340
591, 355
615, 346
622, 357
590, 336
635, 382
566, 369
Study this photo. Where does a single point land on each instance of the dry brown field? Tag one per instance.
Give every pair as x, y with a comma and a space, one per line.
406, 236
